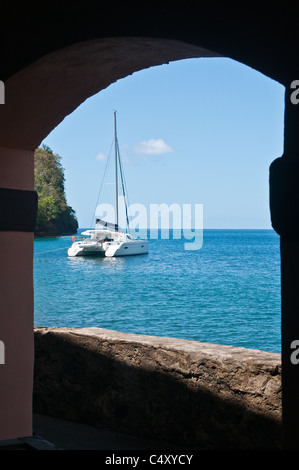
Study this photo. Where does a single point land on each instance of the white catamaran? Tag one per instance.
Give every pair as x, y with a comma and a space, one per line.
109, 240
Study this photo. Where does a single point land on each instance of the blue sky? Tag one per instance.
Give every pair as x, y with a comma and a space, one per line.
197, 131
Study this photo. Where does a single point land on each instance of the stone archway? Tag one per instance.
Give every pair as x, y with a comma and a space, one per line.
41, 95
36, 100
56, 80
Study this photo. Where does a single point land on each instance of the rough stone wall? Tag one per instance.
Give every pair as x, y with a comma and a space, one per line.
196, 395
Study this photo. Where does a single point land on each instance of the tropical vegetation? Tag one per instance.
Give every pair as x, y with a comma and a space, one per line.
55, 216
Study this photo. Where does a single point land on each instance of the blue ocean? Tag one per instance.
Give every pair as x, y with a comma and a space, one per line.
227, 292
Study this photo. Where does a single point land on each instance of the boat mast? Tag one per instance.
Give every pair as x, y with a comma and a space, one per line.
116, 178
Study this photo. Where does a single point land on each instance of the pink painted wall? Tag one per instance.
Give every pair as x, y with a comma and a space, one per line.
16, 306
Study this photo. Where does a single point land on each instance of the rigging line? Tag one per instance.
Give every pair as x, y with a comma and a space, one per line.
127, 200
125, 192
101, 184
49, 251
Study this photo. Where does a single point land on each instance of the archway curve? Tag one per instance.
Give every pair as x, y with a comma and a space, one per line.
41, 95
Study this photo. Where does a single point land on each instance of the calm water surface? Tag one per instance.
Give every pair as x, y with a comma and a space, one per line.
228, 292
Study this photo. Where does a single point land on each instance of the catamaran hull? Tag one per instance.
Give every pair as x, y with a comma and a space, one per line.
109, 249
136, 247
92, 249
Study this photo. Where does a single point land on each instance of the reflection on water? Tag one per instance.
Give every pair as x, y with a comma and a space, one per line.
104, 262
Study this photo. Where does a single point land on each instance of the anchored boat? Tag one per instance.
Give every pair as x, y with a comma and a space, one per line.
107, 239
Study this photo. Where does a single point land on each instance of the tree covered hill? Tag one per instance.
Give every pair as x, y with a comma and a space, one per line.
54, 216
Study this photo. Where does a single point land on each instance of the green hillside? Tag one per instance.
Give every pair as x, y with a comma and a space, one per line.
54, 216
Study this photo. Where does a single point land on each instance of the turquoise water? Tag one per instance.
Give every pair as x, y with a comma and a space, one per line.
227, 292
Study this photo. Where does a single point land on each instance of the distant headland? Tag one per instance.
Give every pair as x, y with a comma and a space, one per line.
55, 217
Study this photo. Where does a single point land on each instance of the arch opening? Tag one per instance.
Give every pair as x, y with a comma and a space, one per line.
223, 169
52, 84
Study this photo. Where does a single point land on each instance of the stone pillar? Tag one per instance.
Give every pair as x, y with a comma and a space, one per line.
284, 203
18, 205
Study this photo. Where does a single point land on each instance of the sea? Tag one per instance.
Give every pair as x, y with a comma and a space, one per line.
227, 291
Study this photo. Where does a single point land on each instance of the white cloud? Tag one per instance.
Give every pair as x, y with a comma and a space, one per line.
100, 157
152, 147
